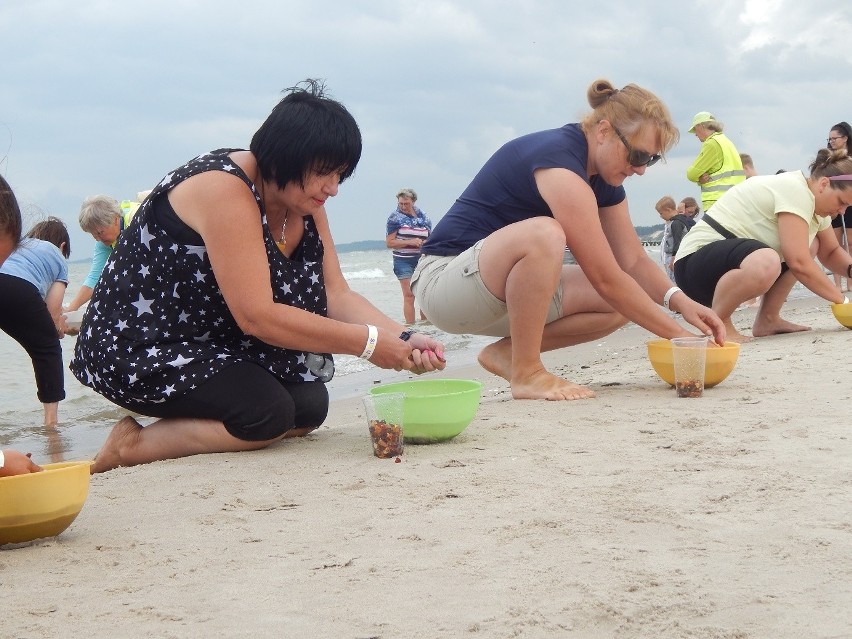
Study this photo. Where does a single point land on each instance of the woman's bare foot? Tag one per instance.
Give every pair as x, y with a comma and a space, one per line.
496, 358
51, 414
545, 385
763, 327
124, 434
737, 337
732, 334
299, 432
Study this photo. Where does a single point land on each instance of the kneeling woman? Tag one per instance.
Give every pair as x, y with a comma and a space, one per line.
756, 242
220, 307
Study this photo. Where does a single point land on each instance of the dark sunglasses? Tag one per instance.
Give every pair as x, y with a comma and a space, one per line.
320, 366
635, 157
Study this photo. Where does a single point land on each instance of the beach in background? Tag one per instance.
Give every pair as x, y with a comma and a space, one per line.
634, 514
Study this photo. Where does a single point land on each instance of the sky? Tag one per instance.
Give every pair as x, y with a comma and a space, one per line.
108, 97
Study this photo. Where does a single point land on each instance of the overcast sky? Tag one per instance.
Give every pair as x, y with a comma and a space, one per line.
108, 96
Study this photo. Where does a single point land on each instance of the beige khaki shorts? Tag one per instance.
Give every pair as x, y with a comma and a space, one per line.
453, 297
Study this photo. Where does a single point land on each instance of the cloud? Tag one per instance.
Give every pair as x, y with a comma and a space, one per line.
108, 97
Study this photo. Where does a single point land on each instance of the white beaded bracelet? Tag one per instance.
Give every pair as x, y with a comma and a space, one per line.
372, 340
668, 296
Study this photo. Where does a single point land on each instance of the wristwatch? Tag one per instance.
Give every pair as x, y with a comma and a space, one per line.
406, 335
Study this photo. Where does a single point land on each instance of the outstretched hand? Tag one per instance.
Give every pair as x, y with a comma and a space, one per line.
704, 319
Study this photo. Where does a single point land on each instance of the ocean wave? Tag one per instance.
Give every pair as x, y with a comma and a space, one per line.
366, 274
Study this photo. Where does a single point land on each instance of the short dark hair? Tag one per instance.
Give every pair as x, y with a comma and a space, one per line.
10, 213
53, 230
306, 131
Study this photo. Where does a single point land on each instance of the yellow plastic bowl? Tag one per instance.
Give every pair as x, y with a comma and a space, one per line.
843, 313
720, 361
42, 504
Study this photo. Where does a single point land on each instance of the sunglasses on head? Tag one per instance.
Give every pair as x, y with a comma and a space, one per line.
636, 157
320, 366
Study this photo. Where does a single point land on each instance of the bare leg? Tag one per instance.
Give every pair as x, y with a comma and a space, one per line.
768, 320
756, 274
522, 264
732, 334
129, 444
576, 329
407, 301
51, 414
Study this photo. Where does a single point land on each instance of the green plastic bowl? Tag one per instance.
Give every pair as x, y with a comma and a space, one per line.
435, 410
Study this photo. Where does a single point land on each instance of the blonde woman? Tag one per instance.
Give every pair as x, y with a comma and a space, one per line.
494, 263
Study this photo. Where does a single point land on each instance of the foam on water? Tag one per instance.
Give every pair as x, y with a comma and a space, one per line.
369, 274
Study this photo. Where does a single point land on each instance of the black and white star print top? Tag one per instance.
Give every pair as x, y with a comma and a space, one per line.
157, 324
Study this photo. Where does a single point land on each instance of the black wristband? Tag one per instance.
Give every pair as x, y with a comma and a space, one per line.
406, 335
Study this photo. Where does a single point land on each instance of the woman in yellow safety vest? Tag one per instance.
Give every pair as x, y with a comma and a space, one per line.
718, 166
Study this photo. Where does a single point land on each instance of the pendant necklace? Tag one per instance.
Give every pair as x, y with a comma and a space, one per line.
282, 242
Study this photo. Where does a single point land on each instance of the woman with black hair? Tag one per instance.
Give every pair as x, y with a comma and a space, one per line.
12, 462
840, 137
10, 220
221, 304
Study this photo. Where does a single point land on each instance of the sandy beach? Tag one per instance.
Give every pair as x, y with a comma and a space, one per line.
636, 514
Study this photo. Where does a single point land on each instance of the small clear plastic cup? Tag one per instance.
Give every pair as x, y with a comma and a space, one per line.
689, 355
385, 423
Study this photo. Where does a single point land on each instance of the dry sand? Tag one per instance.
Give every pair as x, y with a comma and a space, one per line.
636, 514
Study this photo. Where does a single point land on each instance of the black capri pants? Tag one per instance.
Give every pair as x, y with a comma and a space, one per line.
698, 274
251, 402
25, 318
